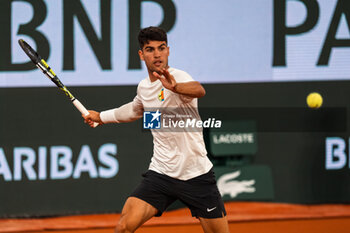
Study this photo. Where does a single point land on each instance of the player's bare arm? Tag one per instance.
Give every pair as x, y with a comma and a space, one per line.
192, 89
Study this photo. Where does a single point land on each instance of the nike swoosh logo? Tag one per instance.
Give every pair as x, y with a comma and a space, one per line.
209, 210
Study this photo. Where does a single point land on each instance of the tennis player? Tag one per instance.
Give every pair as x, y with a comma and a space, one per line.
180, 168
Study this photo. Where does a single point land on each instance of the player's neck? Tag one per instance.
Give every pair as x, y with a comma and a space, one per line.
152, 77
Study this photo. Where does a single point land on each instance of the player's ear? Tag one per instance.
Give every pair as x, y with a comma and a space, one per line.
141, 55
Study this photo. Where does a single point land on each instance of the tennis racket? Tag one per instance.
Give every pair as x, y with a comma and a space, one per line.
46, 69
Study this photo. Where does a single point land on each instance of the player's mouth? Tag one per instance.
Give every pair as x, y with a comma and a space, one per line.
157, 63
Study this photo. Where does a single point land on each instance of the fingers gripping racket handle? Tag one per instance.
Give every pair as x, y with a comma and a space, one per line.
82, 109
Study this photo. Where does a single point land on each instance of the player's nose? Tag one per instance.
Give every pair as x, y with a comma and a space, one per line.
156, 53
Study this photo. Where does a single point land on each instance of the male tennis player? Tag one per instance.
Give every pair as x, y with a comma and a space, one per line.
180, 168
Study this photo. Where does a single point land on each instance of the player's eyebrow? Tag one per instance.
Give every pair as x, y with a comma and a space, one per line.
149, 47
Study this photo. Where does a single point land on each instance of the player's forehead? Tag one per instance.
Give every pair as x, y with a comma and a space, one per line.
154, 44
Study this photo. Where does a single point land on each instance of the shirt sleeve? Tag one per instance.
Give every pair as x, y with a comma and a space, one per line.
183, 77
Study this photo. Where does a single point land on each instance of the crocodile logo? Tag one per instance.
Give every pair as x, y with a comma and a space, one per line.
227, 185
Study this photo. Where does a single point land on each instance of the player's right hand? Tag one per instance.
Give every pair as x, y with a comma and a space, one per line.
92, 118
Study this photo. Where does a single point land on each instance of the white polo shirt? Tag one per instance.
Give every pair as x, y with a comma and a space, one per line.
181, 155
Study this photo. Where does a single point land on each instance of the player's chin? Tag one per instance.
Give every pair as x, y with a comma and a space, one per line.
158, 71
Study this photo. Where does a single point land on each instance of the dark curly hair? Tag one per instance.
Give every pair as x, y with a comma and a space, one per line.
151, 33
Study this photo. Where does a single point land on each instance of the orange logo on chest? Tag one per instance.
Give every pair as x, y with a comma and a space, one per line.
161, 95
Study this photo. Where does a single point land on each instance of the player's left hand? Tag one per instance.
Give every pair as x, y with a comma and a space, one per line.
166, 78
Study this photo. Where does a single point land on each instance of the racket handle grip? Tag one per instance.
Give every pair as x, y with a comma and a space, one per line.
82, 109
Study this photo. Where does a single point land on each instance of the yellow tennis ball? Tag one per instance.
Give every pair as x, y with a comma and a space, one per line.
314, 100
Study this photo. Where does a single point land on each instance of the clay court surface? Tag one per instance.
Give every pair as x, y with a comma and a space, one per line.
243, 217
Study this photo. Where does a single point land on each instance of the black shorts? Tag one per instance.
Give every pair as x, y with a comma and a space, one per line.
199, 194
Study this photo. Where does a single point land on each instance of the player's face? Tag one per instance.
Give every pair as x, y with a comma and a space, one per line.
155, 54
